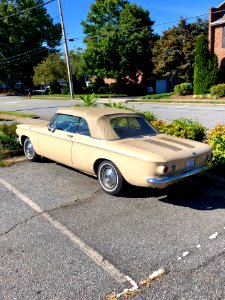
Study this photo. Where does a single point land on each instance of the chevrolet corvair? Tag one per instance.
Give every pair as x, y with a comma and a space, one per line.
115, 145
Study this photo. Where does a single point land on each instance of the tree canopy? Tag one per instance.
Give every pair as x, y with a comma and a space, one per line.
27, 36
174, 51
53, 69
50, 70
118, 40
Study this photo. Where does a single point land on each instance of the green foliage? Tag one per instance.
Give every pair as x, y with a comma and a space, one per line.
55, 87
206, 67
8, 137
158, 96
181, 127
7, 142
118, 40
183, 89
9, 130
89, 100
116, 105
174, 53
50, 70
148, 115
26, 38
216, 139
218, 91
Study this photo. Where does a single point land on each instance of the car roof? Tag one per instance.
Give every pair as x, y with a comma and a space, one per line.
93, 112
98, 119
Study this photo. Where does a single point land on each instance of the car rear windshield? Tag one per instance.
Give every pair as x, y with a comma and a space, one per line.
132, 127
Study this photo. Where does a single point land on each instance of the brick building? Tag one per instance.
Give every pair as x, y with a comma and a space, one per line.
217, 32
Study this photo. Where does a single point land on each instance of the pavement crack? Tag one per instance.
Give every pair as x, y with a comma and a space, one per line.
19, 223
83, 200
79, 200
207, 262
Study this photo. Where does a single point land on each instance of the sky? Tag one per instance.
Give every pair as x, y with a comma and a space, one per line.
161, 11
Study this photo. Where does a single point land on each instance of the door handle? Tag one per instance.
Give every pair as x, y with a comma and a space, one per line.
70, 135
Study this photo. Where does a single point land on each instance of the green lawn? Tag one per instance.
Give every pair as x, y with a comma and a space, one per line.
76, 96
13, 113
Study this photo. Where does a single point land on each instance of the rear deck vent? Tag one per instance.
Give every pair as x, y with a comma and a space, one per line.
176, 142
165, 145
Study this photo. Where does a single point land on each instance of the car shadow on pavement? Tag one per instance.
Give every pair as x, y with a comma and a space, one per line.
197, 193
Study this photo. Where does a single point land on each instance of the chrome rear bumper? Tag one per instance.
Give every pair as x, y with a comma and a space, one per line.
171, 179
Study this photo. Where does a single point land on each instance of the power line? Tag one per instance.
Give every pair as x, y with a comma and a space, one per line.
27, 9
156, 25
21, 56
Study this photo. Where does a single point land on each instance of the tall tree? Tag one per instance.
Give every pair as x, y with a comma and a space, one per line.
27, 36
118, 40
206, 67
53, 69
50, 70
174, 52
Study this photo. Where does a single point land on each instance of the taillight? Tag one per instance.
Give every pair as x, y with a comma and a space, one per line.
165, 169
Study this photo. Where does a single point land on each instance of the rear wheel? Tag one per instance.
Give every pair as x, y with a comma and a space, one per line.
110, 178
29, 151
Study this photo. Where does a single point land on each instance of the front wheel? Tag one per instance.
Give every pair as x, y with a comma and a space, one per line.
29, 151
110, 178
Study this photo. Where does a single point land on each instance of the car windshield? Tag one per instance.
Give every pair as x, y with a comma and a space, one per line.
132, 127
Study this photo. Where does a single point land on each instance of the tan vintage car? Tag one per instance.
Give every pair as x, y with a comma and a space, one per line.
115, 145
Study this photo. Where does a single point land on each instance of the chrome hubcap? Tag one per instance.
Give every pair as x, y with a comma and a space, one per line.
108, 177
29, 151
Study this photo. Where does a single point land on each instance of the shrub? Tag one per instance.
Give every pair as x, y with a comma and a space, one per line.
103, 89
9, 130
148, 115
216, 139
115, 105
9, 143
184, 128
183, 89
218, 91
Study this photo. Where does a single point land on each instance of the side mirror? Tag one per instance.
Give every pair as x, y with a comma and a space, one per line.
51, 128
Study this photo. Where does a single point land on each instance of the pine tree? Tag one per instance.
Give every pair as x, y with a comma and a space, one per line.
206, 67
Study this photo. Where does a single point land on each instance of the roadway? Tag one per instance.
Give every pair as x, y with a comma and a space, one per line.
207, 115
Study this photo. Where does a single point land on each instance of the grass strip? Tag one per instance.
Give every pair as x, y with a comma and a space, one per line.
76, 97
177, 101
17, 114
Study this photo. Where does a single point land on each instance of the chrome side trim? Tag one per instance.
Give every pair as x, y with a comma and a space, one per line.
177, 177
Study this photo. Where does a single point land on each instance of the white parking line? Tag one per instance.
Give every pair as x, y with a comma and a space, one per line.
91, 253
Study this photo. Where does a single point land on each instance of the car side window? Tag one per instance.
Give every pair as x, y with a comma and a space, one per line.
83, 127
70, 124
66, 123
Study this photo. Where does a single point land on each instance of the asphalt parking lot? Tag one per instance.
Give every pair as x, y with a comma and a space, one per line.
62, 237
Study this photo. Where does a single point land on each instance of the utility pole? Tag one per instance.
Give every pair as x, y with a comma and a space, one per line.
66, 51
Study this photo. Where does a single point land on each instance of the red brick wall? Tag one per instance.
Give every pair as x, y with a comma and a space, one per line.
218, 50
215, 33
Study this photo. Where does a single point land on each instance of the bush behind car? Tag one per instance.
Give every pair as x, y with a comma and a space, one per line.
182, 127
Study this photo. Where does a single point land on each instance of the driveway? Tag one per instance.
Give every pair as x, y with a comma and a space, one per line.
63, 238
